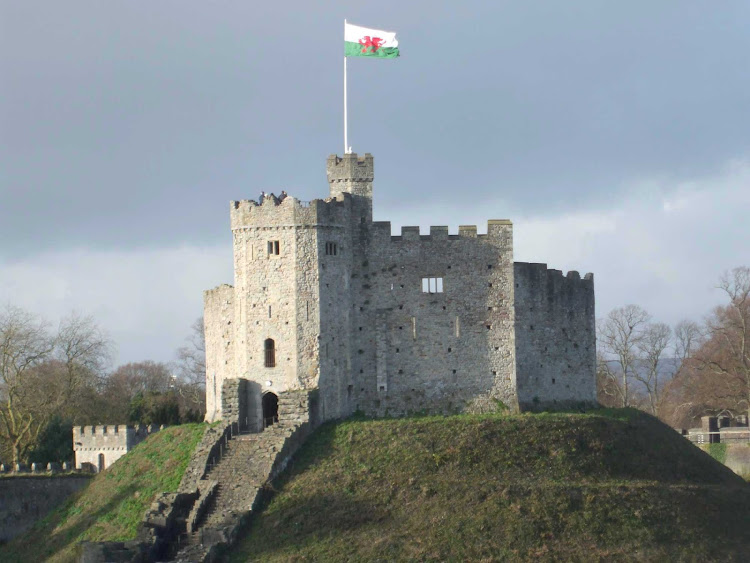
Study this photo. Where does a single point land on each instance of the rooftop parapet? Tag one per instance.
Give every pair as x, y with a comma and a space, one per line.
439, 232
351, 174
410, 233
220, 296
539, 270
497, 230
115, 429
289, 212
469, 231
350, 168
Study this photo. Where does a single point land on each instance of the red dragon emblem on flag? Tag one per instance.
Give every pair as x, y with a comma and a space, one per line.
374, 43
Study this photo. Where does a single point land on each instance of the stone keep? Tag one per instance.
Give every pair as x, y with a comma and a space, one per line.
325, 299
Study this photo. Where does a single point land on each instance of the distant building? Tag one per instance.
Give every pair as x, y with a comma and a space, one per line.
98, 447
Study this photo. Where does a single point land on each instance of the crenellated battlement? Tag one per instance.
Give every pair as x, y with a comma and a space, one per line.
116, 429
496, 229
351, 174
289, 212
350, 168
223, 289
539, 273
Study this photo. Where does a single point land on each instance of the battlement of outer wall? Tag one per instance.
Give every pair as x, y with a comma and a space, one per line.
104, 429
538, 273
223, 291
496, 229
112, 431
290, 211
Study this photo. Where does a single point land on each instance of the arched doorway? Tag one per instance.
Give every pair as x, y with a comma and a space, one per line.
101, 463
270, 409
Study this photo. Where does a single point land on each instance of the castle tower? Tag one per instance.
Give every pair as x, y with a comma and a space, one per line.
353, 174
282, 325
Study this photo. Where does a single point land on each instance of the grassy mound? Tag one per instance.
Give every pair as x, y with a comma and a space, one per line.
612, 485
113, 504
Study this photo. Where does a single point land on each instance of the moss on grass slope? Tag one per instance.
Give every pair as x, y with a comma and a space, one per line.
611, 485
113, 504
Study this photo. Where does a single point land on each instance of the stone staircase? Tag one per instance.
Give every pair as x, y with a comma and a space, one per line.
243, 469
248, 462
224, 481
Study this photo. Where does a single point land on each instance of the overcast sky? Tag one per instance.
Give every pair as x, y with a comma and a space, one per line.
616, 136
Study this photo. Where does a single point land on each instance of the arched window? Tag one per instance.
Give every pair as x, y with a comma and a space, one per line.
101, 463
270, 349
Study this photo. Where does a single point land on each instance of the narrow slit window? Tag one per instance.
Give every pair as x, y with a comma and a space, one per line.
432, 285
273, 248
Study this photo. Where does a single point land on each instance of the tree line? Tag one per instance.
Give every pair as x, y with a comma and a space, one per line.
683, 372
52, 380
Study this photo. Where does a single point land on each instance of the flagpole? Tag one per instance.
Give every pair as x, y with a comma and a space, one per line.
346, 125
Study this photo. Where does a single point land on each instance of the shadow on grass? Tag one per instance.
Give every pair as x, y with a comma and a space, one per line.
314, 517
619, 468
28, 546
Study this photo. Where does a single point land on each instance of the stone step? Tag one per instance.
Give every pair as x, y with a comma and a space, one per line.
244, 467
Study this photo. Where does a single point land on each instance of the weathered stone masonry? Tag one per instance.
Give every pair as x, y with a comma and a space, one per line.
98, 447
324, 298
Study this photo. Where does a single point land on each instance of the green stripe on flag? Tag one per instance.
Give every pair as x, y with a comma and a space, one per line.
355, 50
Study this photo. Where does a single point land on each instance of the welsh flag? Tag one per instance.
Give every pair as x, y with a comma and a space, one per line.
366, 42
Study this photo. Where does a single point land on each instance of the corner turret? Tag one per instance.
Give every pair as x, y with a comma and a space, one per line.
351, 173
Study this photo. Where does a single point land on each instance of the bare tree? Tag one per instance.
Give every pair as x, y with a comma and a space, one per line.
608, 388
620, 333
726, 352
24, 345
688, 337
678, 406
652, 345
191, 368
45, 375
84, 352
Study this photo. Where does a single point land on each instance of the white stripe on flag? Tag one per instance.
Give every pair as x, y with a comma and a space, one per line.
353, 33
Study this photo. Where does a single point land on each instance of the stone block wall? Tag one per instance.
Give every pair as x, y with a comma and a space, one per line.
25, 500
555, 337
219, 329
294, 408
441, 349
233, 399
242, 404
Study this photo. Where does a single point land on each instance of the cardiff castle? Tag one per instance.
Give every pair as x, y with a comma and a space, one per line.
328, 301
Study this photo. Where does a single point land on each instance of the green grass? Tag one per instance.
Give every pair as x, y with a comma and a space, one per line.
113, 504
607, 485
718, 452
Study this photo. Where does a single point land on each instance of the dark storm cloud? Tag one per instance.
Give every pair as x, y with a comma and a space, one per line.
129, 124
615, 135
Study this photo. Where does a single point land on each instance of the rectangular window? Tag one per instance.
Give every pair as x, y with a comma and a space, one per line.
331, 249
273, 247
432, 285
